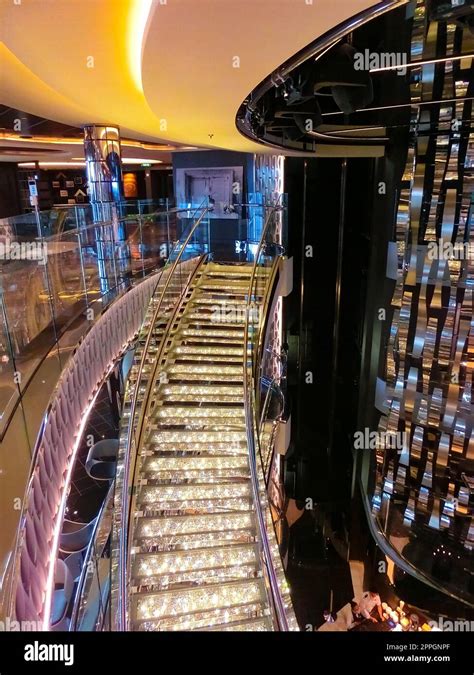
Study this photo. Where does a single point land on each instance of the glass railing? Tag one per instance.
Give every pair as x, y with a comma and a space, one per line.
64, 217
91, 602
191, 248
266, 256
430, 550
49, 284
92, 597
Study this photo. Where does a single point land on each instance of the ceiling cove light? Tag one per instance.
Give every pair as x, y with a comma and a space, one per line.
129, 160
159, 147
139, 13
52, 165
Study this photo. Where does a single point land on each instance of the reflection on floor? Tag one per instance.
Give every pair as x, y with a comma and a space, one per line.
319, 578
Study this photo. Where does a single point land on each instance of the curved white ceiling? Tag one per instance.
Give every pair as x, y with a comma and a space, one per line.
163, 70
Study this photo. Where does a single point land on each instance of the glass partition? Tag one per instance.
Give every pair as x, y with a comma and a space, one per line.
59, 268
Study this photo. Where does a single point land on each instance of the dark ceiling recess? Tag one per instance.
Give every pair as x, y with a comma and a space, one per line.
315, 104
323, 95
15, 150
27, 125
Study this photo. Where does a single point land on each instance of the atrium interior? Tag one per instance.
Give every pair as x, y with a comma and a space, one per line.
237, 321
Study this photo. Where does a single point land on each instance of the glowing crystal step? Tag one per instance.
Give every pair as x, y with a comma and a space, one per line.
195, 463
214, 596
156, 494
213, 269
184, 507
206, 358
199, 411
211, 351
252, 625
234, 333
187, 448
155, 564
202, 393
169, 436
198, 577
187, 476
221, 301
177, 525
189, 541
206, 315
216, 619
203, 339
197, 372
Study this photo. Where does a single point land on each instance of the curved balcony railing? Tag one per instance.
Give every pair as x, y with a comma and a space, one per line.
46, 310
260, 288
28, 593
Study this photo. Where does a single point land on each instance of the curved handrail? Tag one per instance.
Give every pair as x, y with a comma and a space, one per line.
317, 48
132, 439
273, 386
250, 419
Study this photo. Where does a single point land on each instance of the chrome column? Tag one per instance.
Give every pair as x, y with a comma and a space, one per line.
102, 151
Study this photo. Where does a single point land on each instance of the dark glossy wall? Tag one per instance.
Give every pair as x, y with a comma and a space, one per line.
9, 192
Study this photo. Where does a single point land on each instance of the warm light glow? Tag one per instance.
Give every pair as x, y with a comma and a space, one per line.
53, 165
54, 140
136, 63
137, 25
131, 160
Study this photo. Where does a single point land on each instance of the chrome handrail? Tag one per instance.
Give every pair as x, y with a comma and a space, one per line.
266, 404
275, 597
125, 514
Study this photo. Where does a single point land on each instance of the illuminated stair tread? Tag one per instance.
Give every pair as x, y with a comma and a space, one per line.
189, 601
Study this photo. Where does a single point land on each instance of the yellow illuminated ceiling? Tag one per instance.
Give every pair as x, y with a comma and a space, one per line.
163, 70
